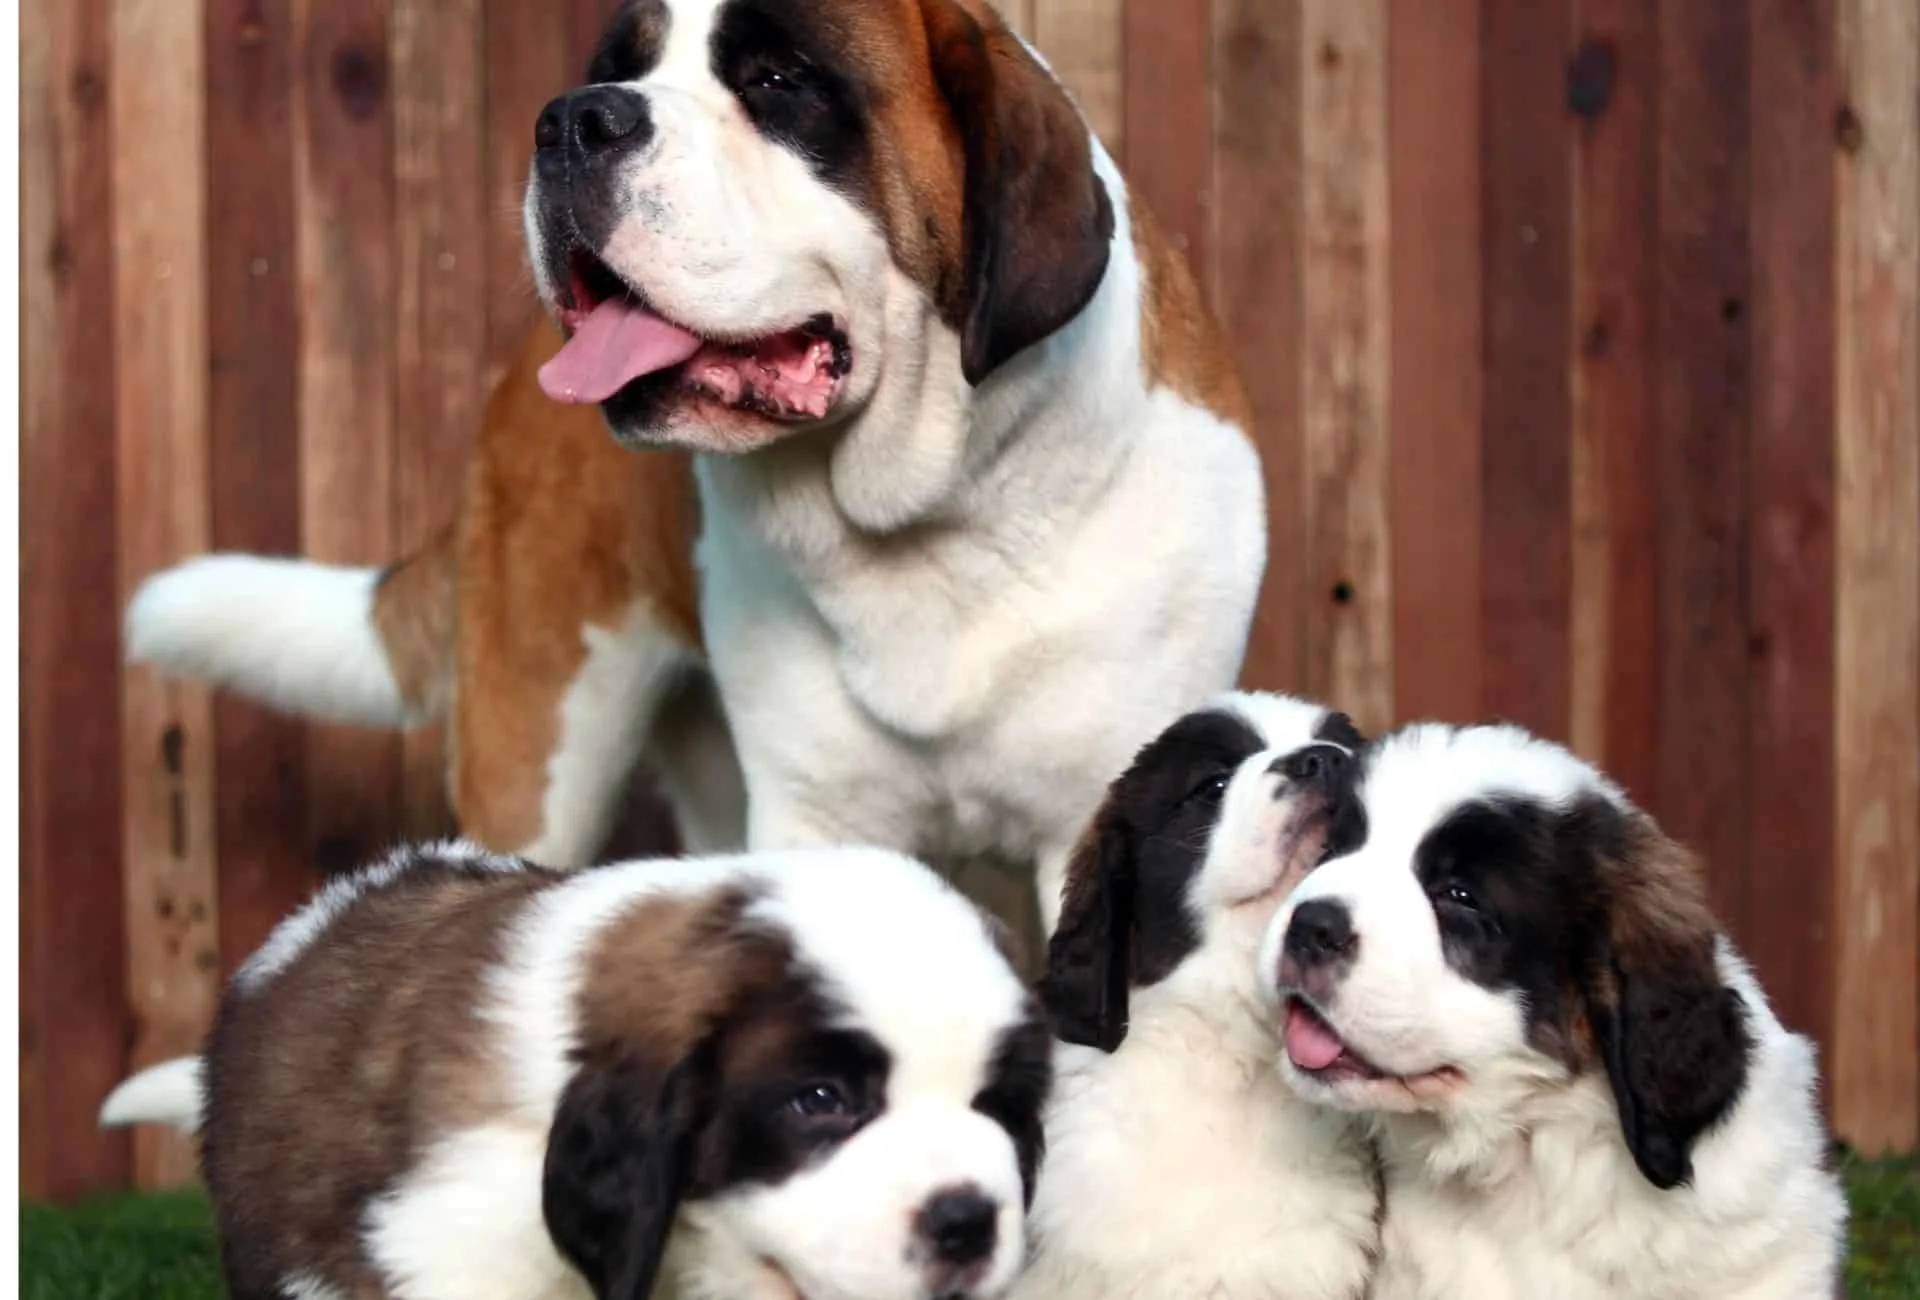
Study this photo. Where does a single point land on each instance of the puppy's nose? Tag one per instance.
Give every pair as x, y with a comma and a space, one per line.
1315, 763
1319, 931
591, 121
960, 1224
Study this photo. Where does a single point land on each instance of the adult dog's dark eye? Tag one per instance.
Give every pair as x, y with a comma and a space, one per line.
820, 1101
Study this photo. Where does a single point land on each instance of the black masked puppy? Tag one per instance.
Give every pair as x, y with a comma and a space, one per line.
1178, 1166
1578, 1088
453, 1077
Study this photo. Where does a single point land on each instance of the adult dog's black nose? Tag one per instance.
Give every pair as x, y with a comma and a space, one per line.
960, 1225
591, 121
1315, 763
1320, 931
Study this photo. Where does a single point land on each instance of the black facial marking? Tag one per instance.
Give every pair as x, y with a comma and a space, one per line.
631, 43
786, 73
777, 1116
1125, 921
1015, 1094
1338, 728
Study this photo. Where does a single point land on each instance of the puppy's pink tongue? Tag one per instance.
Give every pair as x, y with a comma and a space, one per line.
617, 343
1311, 1044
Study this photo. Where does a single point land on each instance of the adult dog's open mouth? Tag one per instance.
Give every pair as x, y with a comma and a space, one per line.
616, 340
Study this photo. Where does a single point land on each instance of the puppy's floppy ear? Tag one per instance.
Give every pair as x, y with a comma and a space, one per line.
1674, 1036
619, 1155
1088, 970
1036, 219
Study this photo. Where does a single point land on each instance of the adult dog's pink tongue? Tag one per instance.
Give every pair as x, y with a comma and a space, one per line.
1311, 1044
617, 343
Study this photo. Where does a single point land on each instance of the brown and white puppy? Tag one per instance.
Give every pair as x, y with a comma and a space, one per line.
1179, 1166
864, 259
458, 1077
1578, 1088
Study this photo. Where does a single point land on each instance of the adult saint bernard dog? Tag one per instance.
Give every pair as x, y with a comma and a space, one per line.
976, 508
459, 1077
1178, 1165
1577, 1087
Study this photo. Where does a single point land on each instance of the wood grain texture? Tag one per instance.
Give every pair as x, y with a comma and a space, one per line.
1168, 128
1084, 42
1526, 452
343, 191
440, 305
1614, 680
1255, 279
1874, 1071
1790, 509
1345, 331
157, 103
254, 434
1436, 339
529, 60
1701, 421
74, 1017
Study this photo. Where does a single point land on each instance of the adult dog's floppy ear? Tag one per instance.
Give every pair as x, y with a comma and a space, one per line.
1088, 970
1674, 1036
618, 1158
1036, 220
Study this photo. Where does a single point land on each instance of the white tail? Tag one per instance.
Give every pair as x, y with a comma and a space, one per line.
292, 634
168, 1093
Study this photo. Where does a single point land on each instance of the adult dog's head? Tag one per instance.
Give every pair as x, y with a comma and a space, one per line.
1510, 923
1182, 866
762, 215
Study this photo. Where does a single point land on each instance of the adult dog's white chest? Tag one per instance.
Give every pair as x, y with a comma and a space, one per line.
1178, 1170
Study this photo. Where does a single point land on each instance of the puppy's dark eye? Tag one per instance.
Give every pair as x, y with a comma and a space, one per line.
820, 1101
771, 79
1460, 896
1211, 790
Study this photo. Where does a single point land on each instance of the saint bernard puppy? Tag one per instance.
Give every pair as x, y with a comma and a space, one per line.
1577, 1087
458, 1077
1178, 1165
968, 452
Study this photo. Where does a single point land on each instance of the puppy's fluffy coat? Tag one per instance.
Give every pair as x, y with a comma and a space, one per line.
1578, 1089
1179, 1166
457, 1077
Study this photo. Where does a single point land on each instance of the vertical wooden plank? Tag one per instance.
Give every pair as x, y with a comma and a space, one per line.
254, 432
1083, 42
1019, 15
440, 332
529, 60
1346, 332
1876, 1040
588, 18
1168, 121
1526, 170
74, 1017
157, 92
1614, 683
1790, 543
1702, 400
1255, 280
343, 213
1434, 147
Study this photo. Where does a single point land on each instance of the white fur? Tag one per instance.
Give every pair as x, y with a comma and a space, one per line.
291, 633
1516, 1182
1180, 1167
466, 1224
945, 626
604, 719
168, 1093
301, 1286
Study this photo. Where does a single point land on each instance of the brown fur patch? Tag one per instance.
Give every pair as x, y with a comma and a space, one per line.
1180, 344
325, 1082
414, 612
560, 528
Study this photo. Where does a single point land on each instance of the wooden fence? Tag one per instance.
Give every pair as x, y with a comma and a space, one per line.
1584, 335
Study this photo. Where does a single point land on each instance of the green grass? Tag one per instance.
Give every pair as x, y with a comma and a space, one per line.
161, 1247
